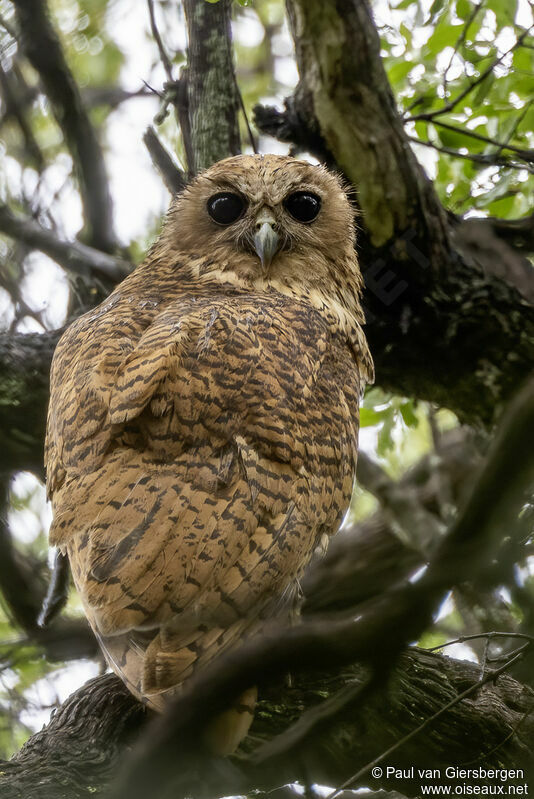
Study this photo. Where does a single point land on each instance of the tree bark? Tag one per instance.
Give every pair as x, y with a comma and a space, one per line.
81, 750
24, 387
213, 98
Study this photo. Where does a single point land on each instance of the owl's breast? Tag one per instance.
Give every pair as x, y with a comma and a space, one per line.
270, 372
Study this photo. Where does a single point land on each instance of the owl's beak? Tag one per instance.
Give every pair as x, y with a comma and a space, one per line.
266, 239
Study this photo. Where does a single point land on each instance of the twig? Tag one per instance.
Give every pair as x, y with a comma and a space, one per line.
476, 636
14, 108
459, 43
477, 158
517, 122
173, 177
490, 677
165, 60
527, 154
251, 138
72, 256
44, 51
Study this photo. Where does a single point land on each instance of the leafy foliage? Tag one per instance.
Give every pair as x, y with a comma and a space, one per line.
463, 73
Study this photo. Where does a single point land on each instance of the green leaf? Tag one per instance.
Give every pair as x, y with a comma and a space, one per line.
435, 8
463, 9
421, 128
484, 89
399, 71
503, 208
451, 138
445, 35
505, 11
385, 435
369, 417
409, 417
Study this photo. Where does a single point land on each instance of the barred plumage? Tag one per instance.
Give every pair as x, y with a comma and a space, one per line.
203, 422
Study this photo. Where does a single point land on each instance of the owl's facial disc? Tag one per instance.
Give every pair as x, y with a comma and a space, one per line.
266, 239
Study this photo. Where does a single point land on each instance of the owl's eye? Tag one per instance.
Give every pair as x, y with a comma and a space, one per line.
303, 206
225, 208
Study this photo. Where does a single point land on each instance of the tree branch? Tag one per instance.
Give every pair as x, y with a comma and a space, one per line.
518, 232
345, 91
79, 750
85, 742
43, 50
485, 159
165, 60
13, 107
173, 177
471, 134
352, 735
24, 388
72, 256
213, 99
414, 524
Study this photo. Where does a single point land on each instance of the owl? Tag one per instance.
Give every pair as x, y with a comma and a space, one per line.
203, 423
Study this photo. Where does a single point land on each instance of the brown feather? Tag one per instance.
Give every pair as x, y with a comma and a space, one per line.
203, 422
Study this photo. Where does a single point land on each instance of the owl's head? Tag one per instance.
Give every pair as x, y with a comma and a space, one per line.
268, 220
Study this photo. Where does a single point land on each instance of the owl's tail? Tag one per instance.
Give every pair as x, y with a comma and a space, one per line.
156, 670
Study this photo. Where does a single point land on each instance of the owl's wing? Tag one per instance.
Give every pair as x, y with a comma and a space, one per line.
193, 472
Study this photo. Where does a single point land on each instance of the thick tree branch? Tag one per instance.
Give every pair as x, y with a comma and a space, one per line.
24, 387
43, 49
519, 233
72, 256
77, 754
338, 83
82, 748
213, 98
